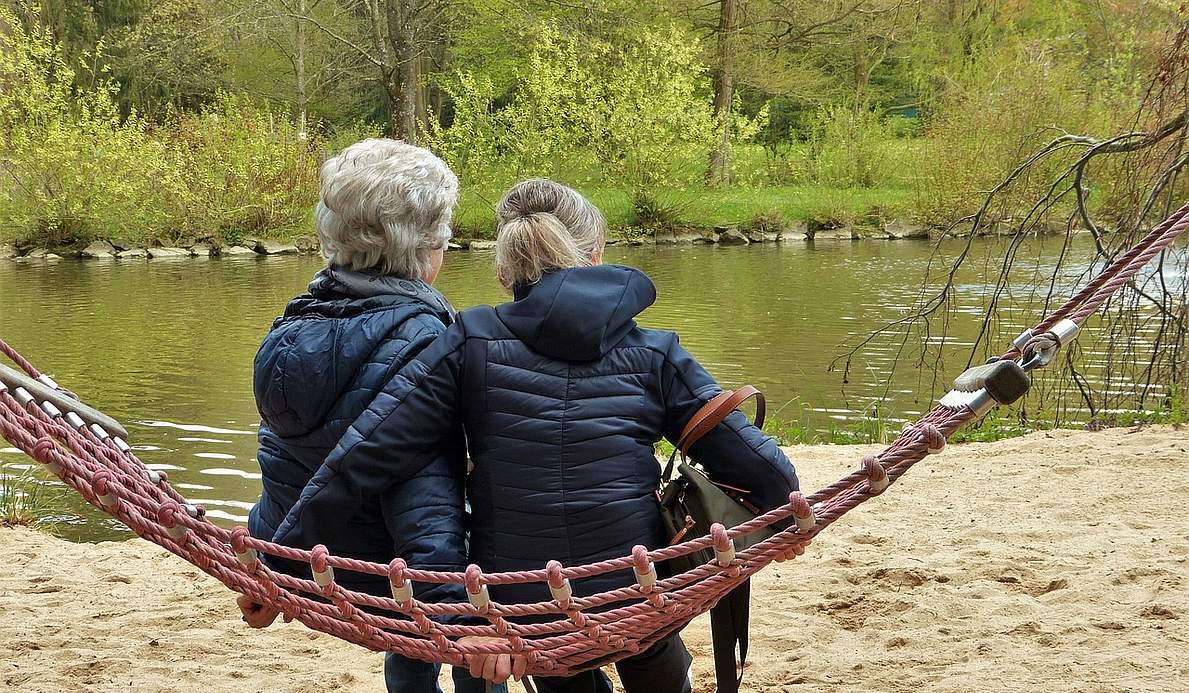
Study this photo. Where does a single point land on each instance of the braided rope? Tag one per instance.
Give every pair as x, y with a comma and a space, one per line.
565, 635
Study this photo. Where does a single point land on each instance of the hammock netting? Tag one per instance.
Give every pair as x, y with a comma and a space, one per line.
565, 635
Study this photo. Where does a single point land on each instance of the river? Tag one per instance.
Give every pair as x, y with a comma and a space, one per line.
166, 346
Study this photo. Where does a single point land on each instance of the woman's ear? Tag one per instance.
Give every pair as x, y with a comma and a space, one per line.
596, 258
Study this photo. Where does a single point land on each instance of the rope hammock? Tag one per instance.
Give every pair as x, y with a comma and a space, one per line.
568, 634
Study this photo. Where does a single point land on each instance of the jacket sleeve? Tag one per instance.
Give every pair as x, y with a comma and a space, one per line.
735, 452
390, 443
424, 517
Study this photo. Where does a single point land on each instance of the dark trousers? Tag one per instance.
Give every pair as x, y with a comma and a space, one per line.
662, 668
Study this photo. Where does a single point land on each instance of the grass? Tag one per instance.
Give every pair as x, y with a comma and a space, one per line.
700, 207
26, 501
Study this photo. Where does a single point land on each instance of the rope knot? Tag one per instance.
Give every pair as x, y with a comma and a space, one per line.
243, 553
167, 514
933, 437
44, 448
476, 591
101, 482
322, 570
802, 512
877, 476
643, 568
402, 589
559, 585
724, 548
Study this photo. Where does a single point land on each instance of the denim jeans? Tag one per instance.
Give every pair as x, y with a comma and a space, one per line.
405, 675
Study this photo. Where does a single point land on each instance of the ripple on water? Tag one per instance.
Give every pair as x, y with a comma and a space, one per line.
163, 467
214, 455
194, 487
223, 471
217, 514
196, 428
206, 440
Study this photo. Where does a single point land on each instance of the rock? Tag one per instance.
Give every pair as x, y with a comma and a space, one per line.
203, 250
185, 242
52, 256
900, 228
37, 253
733, 237
121, 243
796, 230
482, 245
453, 246
236, 250
635, 241
307, 244
132, 253
676, 237
7, 251
162, 253
704, 240
275, 248
841, 233
98, 249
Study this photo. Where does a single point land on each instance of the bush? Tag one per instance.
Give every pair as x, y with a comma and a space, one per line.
848, 147
73, 169
1002, 110
236, 169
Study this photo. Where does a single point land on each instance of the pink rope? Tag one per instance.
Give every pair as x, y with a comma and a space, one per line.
562, 636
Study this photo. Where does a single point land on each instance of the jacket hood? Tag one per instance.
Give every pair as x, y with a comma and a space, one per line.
578, 314
326, 340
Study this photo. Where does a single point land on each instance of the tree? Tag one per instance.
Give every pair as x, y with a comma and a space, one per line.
400, 33
170, 57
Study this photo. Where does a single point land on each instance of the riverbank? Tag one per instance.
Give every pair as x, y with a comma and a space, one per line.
766, 229
1055, 561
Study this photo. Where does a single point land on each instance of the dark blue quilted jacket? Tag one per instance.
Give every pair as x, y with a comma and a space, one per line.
318, 369
562, 396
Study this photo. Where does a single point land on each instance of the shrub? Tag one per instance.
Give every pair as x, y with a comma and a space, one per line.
848, 147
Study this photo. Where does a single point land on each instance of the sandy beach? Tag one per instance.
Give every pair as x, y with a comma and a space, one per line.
1058, 561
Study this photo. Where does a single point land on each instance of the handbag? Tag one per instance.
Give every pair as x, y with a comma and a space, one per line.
690, 503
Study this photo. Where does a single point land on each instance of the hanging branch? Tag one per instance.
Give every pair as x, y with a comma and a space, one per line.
1141, 344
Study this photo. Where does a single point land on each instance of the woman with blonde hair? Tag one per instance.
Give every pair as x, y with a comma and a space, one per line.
562, 396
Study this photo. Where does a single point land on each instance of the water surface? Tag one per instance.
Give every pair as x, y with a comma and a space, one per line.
167, 346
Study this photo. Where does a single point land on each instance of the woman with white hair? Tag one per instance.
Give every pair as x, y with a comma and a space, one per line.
384, 221
562, 396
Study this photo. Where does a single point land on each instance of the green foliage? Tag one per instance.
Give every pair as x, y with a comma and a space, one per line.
170, 57
1010, 102
630, 104
848, 147
236, 169
72, 169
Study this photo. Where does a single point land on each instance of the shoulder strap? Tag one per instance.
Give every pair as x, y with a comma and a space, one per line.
712, 414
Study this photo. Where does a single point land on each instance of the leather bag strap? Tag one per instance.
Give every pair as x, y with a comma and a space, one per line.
712, 414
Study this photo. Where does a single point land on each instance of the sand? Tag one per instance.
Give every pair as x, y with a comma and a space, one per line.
1058, 561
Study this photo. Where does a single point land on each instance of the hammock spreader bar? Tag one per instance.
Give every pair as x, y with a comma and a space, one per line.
566, 634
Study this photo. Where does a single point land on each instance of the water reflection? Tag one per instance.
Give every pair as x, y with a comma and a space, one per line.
167, 348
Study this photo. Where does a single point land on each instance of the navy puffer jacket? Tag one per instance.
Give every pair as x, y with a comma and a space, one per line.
562, 396
318, 369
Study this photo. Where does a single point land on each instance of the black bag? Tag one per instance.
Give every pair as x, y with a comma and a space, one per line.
690, 504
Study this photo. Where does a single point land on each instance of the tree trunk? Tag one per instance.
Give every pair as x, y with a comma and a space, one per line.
724, 88
299, 64
402, 36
